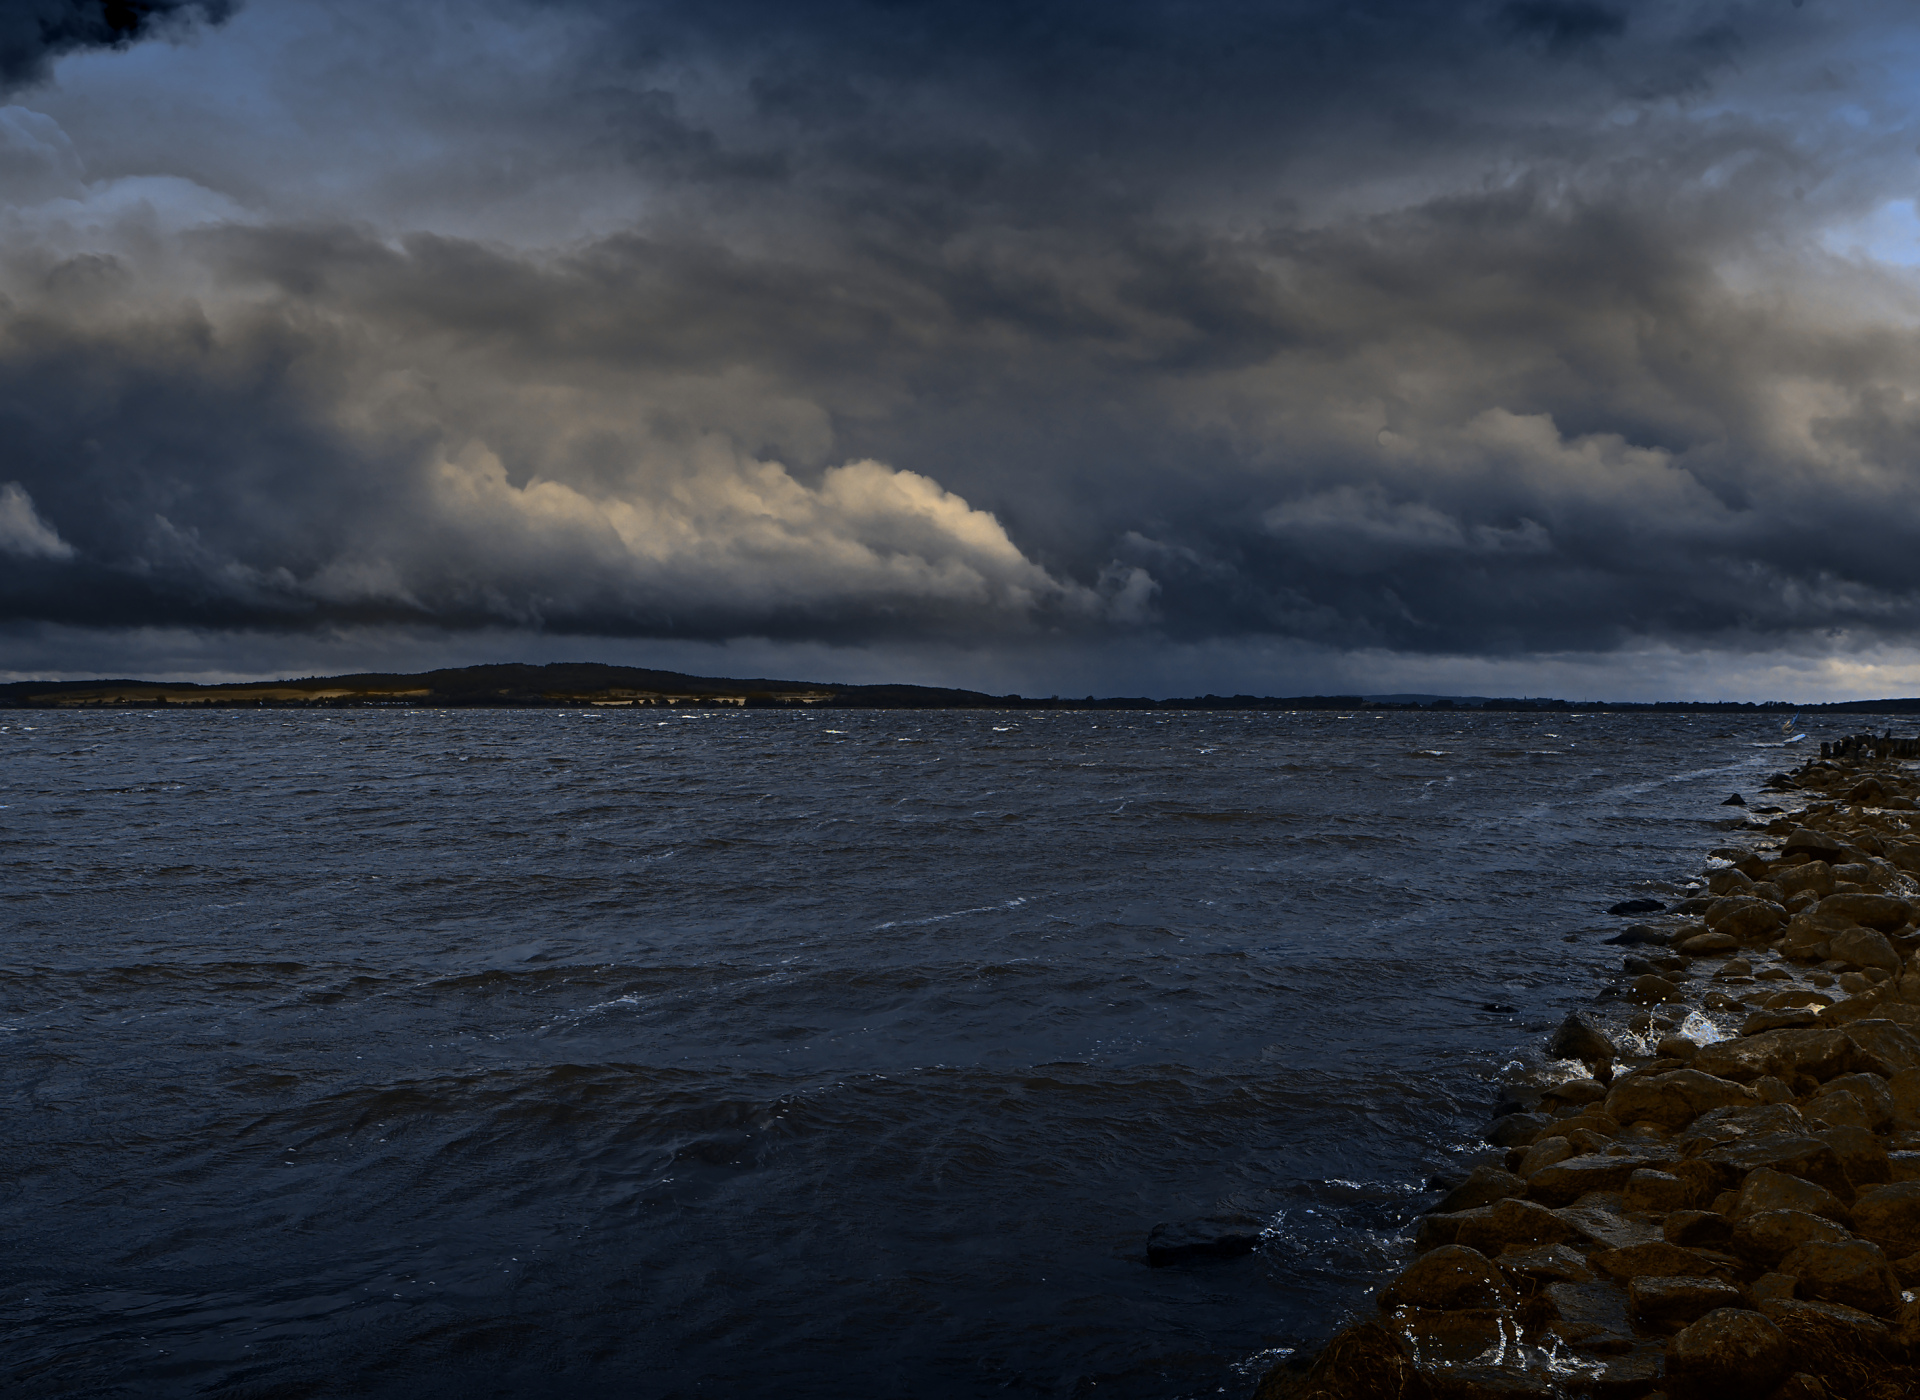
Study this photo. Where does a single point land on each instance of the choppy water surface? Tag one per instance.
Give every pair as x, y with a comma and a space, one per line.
389, 1053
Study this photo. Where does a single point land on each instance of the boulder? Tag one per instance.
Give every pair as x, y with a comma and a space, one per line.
1448, 1278
1852, 1272
1730, 1352
1483, 1186
1577, 1091
1767, 1190
1697, 1228
1873, 1091
1651, 989
1889, 1216
1657, 1192
1768, 1236
1675, 1098
1815, 877
1211, 1237
1578, 1039
1813, 844
1517, 1129
1545, 1153
1705, 944
1367, 1361
1747, 919
1868, 792
1563, 1183
1738, 1121
1730, 881
1881, 1047
1801, 1155
1883, 912
1512, 1223
1637, 906
1862, 1156
1657, 1299
1838, 1108
1831, 1340
1639, 933
1904, 1089
1819, 1053
1862, 947
1658, 1258
1547, 1263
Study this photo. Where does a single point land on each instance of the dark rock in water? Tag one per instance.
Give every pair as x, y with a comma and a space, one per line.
1449, 1277
1735, 801
1368, 1361
1577, 1039
1500, 1008
1483, 1186
1780, 782
1637, 906
1517, 1129
1637, 933
1211, 1237
1769, 811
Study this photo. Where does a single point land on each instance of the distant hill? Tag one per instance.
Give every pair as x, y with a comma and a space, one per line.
577, 683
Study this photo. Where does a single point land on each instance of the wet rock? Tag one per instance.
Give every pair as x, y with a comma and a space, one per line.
1547, 1263
1767, 1190
1793, 1018
1676, 1047
1873, 1090
1831, 1339
1638, 934
1697, 1228
1563, 1183
1728, 882
1578, 1039
1772, 1286
1801, 1386
1906, 1326
1597, 1221
1545, 1153
1735, 801
1749, 920
1650, 989
1517, 1129
1772, 1089
1656, 1299
1766, 1237
1367, 1361
1883, 912
1450, 1277
1889, 1216
1211, 1237
1815, 877
1730, 1352
1904, 1088
1868, 792
1785, 1053
1514, 1223
1657, 1258
1813, 844
1862, 1156
1881, 1047
1852, 1272
1838, 1109
1705, 944
1863, 947
1578, 1091
1483, 1186
1674, 1098
1656, 1191
1741, 1121
1637, 906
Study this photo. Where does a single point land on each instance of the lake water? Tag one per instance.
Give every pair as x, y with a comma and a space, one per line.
840, 1054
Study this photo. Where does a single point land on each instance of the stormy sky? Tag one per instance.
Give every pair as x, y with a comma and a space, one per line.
1558, 347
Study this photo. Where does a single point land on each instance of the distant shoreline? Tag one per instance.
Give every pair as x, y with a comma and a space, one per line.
565, 685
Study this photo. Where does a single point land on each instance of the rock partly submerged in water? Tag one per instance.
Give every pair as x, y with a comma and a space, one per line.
1210, 1237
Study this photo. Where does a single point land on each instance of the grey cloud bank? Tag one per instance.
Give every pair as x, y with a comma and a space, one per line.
1519, 348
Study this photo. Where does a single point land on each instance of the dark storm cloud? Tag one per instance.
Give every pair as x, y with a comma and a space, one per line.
1423, 327
33, 33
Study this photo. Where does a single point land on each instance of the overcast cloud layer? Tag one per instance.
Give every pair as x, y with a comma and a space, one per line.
1538, 346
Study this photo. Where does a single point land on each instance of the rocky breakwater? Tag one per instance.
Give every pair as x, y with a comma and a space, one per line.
1712, 1189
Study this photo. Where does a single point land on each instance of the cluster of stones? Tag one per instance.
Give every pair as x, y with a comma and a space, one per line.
1712, 1215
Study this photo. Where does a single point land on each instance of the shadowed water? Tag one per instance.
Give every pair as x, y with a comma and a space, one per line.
391, 1053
